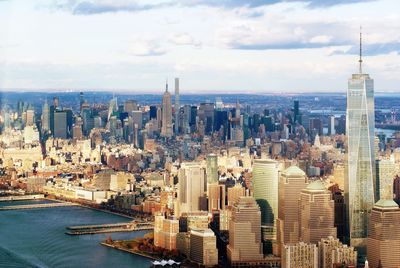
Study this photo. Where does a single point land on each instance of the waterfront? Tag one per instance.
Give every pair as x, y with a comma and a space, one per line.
32, 239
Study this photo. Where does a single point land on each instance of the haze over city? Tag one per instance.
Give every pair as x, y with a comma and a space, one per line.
216, 46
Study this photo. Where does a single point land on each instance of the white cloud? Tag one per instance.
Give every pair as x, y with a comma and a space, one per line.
184, 39
146, 48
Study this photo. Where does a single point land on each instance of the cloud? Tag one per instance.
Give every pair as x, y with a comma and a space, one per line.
371, 49
90, 7
258, 36
184, 39
146, 48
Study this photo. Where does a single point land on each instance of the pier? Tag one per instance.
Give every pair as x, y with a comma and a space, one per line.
109, 228
33, 206
21, 197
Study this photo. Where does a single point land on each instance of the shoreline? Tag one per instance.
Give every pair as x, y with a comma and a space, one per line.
131, 251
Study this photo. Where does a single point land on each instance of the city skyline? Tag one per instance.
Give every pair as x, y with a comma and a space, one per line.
226, 47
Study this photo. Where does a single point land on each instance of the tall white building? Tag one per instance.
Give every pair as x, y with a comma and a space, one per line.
360, 185
265, 185
192, 184
166, 121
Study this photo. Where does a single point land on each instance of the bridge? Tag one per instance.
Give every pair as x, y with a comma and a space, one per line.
109, 228
33, 206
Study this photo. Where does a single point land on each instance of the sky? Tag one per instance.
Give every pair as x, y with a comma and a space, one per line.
213, 46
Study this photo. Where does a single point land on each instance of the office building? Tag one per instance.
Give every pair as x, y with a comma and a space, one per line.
212, 168
203, 247
191, 187
245, 245
317, 213
332, 252
166, 121
359, 185
300, 255
216, 196
265, 191
291, 182
45, 117
383, 246
165, 232
385, 172
234, 193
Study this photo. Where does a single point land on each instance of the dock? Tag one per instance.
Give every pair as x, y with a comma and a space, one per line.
33, 206
21, 197
109, 228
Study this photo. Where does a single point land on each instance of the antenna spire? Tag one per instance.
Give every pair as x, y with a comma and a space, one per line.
360, 60
166, 85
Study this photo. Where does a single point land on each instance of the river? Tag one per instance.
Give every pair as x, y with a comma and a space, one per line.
36, 238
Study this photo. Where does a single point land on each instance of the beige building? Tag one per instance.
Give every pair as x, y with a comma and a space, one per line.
191, 187
291, 182
317, 213
203, 247
216, 196
165, 232
245, 244
166, 122
333, 252
300, 255
234, 193
383, 244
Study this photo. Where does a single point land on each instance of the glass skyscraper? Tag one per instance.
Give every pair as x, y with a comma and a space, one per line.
360, 185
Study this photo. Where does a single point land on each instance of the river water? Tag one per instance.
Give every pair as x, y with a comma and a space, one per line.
36, 238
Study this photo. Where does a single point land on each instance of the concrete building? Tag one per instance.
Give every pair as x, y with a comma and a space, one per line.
265, 191
245, 245
317, 213
332, 252
216, 196
291, 182
383, 246
203, 247
191, 187
234, 193
212, 168
166, 121
165, 232
300, 255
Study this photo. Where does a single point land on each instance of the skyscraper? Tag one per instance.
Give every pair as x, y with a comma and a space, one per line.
316, 213
45, 117
191, 186
291, 182
177, 106
166, 121
265, 184
212, 168
245, 233
384, 235
360, 186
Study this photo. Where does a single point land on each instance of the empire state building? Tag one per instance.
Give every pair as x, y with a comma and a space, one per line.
360, 185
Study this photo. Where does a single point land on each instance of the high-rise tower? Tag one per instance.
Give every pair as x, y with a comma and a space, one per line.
166, 121
265, 184
360, 185
45, 117
177, 106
